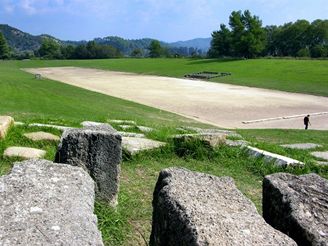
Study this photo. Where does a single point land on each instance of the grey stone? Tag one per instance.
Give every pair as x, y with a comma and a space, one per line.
213, 131
90, 123
41, 136
62, 128
145, 128
321, 155
24, 152
322, 163
97, 150
126, 127
278, 160
135, 145
5, 123
208, 139
132, 134
297, 206
42, 203
236, 143
18, 123
302, 146
192, 208
127, 122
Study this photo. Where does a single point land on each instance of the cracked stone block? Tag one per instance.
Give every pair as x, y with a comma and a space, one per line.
43, 203
191, 208
297, 206
97, 150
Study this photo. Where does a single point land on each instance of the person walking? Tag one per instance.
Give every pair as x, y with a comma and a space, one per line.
307, 121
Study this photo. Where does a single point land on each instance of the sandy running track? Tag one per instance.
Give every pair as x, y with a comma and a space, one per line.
218, 104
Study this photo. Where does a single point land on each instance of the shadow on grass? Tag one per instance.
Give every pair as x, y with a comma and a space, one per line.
209, 61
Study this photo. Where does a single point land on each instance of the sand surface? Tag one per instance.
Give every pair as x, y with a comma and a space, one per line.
222, 105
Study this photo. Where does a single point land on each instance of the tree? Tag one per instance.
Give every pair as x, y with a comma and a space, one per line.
248, 36
245, 38
221, 42
50, 49
155, 49
137, 53
4, 48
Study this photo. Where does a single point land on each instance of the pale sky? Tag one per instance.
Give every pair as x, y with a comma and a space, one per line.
166, 20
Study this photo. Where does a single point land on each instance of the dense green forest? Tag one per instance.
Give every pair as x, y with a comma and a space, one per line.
245, 37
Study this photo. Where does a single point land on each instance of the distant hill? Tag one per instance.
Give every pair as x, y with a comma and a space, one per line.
21, 41
199, 43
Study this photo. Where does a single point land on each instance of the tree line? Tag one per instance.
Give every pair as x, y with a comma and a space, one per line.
245, 37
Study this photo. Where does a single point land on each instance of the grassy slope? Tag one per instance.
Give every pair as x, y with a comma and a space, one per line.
305, 76
29, 99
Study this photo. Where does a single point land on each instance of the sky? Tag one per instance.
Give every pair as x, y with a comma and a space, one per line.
166, 20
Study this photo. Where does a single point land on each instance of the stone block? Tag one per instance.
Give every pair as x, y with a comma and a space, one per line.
191, 208
62, 128
24, 152
297, 206
322, 155
236, 143
135, 145
278, 160
5, 123
208, 139
41, 136
132, 134
97, 150
42, 203
302, 146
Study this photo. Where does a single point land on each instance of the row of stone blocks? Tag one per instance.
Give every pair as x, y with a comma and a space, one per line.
192, 208
43, 203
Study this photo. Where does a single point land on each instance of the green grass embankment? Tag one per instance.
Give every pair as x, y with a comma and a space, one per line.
301, 76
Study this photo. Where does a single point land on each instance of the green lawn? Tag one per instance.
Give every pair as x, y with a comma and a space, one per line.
31, 100
304, 76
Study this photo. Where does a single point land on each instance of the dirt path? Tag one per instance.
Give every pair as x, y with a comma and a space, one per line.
219, 104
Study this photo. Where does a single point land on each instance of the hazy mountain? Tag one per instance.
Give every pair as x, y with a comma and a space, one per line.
199, 43
21, 41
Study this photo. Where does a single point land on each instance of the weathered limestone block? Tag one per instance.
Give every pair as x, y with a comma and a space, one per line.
62, 128
278, 160
41, 136
42, 203
321, 154
297, 206
145, 128
211, 131
132, 134
24, 152
98, 150
208, 139
302, 146
135, 145
5, 123
191, 208
127, 122
236, 143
